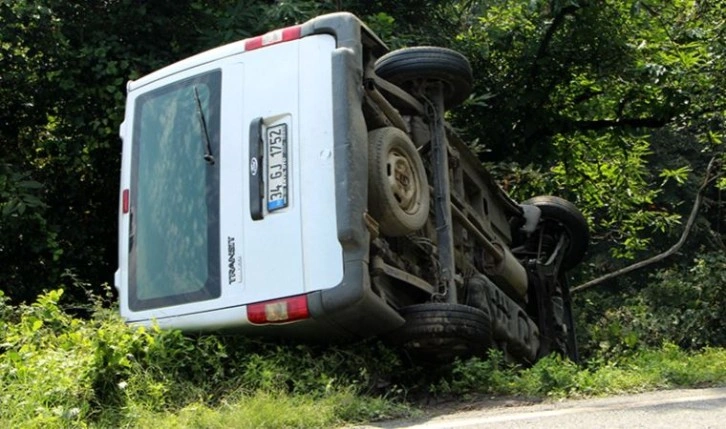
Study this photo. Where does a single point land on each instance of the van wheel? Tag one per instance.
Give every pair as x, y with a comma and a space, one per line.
398, 191
561, 216
410, 68
441, 332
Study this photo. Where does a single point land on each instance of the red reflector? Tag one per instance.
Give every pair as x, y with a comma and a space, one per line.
279, 310
125, 201
273, 37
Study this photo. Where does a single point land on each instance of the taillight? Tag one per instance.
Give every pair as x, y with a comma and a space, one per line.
273, 37
279, 310
125, 201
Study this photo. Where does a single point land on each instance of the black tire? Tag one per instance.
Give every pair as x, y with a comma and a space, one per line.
410, 66
398, 190
567, 216
441, 332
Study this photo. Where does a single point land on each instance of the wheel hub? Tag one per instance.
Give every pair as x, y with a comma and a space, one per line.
402, 181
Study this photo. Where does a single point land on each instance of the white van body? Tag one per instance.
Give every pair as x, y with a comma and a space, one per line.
277, 186
294, 247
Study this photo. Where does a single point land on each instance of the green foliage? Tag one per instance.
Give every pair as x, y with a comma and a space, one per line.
580, 89
60, 371
491, 375
57, 370
682, 305
17, 193
53, 364
692, 300
64, 70
264, 410
665, 367
277, 410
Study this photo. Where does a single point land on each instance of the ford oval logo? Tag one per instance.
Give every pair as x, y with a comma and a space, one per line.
253, 166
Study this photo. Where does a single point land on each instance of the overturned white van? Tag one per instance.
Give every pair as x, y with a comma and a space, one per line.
304, 183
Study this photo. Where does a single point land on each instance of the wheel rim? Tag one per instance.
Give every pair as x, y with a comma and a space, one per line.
402, 181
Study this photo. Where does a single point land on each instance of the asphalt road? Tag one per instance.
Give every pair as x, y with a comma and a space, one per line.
692, 408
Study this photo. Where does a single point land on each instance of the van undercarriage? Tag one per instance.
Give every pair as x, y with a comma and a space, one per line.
483, 271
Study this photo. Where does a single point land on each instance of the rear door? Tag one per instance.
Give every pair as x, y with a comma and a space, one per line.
289, 221
274, 230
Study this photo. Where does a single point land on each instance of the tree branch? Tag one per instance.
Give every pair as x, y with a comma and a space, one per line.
544, 45
587, 95
708, 178
608, 123
560, 125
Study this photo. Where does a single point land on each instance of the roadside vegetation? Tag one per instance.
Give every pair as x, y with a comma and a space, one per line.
553, 377
58, 370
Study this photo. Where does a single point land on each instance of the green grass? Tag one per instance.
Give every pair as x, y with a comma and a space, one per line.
266, 410
59, 371
649, 369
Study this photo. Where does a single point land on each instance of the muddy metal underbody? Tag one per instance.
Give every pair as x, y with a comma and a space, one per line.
485, 273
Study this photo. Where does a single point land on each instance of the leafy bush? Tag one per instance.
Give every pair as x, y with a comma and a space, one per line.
491, 375
688, 304
553, 376
57, 371
683, 305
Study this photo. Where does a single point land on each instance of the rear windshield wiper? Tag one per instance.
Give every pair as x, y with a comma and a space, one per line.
205, 134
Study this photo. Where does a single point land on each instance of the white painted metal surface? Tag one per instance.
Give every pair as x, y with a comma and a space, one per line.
290, 251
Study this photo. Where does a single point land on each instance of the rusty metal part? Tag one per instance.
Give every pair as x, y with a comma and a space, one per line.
381, 267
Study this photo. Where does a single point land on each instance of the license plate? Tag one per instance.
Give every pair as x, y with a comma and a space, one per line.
276, 167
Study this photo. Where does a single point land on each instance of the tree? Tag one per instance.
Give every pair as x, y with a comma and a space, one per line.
65, 65
585, 91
